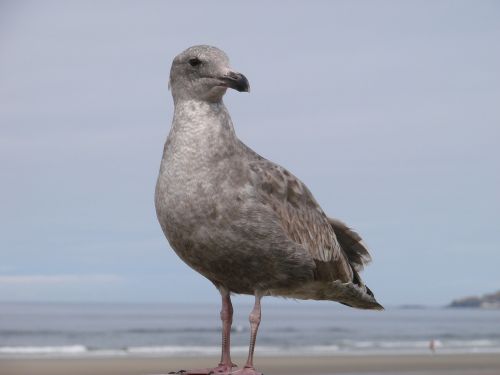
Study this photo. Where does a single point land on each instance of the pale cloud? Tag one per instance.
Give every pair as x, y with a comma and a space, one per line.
58, 279
5, 268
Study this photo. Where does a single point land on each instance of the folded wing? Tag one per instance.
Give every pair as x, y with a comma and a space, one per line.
337, 250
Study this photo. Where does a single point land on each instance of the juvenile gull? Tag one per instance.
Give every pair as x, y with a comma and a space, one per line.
246, 224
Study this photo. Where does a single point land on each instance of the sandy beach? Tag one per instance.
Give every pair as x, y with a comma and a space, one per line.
441, 364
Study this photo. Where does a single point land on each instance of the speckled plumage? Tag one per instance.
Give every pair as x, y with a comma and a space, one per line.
245, 223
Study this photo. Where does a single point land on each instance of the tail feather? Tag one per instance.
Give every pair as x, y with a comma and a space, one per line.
349, 294
352, 244
358, 257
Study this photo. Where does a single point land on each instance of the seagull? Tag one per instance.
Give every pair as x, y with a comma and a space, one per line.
245, 223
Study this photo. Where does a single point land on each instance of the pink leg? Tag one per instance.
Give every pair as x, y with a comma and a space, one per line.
225, 366
254, 324
226, 315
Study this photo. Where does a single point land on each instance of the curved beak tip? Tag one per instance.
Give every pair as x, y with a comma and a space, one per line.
237, 81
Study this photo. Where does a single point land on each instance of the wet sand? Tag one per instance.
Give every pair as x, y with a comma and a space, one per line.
440, 364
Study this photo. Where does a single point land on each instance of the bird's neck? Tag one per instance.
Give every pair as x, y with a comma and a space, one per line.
201, 130
202, 117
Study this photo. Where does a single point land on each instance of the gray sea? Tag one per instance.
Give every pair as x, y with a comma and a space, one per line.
287, 328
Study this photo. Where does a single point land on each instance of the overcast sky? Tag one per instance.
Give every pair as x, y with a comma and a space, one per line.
388, 110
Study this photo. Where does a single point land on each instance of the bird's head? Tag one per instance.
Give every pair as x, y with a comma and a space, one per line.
203, 73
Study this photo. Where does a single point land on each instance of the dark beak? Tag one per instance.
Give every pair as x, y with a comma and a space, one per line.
236, 81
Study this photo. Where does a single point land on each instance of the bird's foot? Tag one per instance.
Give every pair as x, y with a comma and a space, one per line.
247, 370
224, 369
221, 369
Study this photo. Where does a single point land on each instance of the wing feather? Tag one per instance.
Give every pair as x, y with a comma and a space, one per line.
302, 219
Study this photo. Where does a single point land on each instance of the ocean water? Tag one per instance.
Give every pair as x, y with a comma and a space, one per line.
287, 328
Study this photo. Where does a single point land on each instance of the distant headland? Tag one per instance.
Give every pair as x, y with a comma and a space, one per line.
487, 301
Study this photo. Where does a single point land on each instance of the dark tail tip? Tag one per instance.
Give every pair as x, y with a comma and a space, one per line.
376, 305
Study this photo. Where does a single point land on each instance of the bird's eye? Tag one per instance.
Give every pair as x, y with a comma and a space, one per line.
194, 61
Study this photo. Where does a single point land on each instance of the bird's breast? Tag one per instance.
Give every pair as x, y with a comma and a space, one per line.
197, 178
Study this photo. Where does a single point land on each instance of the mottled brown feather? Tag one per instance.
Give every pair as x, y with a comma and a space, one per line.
305, 222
